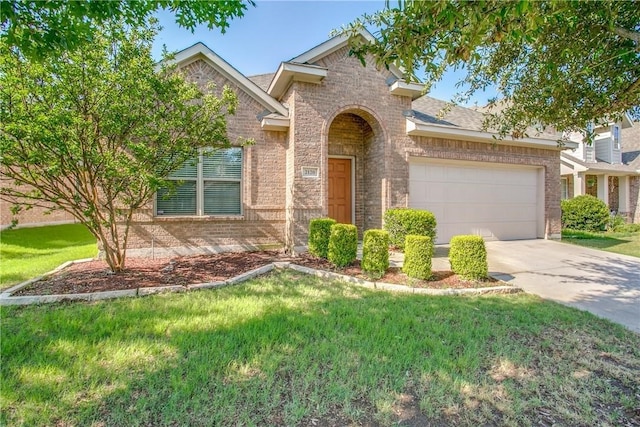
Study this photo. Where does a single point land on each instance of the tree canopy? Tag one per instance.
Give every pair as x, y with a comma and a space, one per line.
40, 28
553, 62
97, 130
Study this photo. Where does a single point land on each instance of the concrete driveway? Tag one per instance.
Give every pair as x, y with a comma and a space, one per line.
602, 283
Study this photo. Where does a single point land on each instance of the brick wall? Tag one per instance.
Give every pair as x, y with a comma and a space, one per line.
32, 217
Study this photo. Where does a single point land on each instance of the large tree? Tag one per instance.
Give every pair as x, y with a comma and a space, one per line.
95, 131
46, 27
553, 62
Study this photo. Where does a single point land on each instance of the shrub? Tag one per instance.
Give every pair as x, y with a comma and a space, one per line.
630, 228
468, 257
417, 256
343, 244
586, 213
375, 252
616, 223
400, 222
319, 232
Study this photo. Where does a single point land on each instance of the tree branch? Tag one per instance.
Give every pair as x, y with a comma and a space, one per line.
627, 34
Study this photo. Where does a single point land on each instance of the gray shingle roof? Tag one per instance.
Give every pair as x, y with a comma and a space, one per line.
262, 80
426, 110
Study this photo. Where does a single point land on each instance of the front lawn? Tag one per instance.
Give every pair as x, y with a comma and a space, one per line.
29, 252
621, 243
290, 349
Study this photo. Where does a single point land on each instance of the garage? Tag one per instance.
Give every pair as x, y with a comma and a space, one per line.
493, 200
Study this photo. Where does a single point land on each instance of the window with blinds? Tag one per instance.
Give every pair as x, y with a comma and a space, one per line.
209, 186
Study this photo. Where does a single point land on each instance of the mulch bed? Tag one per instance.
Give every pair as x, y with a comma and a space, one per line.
94, 276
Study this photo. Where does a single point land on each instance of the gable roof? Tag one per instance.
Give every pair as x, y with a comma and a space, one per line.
305, 68
201, 51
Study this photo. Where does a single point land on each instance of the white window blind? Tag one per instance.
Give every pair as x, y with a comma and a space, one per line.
209, 186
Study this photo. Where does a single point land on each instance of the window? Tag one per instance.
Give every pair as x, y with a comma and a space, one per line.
616, 137
209, 186
564, 188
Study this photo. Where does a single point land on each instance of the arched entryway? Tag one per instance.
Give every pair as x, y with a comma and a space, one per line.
356, 169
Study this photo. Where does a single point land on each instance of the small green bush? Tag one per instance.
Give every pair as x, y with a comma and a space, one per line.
400, 222
630, 228
586, 213
616, 223
375, 252
319, 232
343, 244
417, 257
468, 257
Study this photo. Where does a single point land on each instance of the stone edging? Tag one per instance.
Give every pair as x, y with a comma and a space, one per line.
6, 298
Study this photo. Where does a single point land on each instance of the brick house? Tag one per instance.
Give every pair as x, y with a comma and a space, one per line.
334, 138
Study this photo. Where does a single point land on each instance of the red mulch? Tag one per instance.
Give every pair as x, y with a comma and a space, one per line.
94, 276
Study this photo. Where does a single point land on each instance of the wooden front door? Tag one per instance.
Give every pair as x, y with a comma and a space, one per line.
340, 190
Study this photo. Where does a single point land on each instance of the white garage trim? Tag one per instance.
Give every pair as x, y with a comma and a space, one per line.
494, 200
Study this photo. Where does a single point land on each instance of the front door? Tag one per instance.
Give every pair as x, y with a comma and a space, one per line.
340, 190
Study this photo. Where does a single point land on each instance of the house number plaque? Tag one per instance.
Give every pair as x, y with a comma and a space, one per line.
310, 172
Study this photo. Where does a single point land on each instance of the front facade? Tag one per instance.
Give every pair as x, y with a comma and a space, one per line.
605, 168
334, 138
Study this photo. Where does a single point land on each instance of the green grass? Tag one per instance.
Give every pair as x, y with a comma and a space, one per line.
28, 252
621, 243
288, 349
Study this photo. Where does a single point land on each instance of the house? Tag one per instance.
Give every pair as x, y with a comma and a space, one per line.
334, 138
606, 168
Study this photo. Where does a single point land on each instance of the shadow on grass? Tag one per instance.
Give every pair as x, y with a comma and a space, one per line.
47, 237
591, 240
288, 349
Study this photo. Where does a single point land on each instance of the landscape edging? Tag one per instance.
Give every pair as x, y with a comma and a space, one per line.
6, 299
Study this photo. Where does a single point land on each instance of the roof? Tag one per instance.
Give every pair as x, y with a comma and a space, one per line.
262, 80
200, 50
440, 117
600, 166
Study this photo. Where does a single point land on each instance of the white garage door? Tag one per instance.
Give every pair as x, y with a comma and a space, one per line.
497, 202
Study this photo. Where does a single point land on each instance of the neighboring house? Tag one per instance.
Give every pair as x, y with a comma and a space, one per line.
334, 138
605, 168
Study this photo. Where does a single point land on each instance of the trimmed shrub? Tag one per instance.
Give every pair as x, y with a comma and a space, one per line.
417, 256
343, 244
319, 232
375, 252
468, 257
400, 222
586, 213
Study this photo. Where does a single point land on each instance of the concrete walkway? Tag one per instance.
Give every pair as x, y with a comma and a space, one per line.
603, 283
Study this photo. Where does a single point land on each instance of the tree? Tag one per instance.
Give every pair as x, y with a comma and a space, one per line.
97, 130
40, 28
559, 63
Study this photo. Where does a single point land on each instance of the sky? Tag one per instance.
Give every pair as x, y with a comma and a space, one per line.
276, 31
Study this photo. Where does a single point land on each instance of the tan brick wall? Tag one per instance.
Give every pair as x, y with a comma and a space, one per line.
33, 217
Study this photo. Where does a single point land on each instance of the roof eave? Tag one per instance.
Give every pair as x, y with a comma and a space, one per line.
402, 88
278, 124
289, 72
420, 129
201, 50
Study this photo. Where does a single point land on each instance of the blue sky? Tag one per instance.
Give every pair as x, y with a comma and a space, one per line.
276, 31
